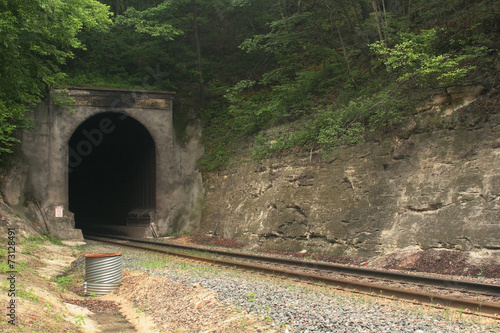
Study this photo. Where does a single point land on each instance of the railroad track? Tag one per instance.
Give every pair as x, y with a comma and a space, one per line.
469, 296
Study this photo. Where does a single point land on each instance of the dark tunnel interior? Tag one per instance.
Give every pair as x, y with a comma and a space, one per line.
111, 170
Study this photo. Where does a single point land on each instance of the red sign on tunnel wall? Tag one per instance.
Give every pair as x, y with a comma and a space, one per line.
59, 211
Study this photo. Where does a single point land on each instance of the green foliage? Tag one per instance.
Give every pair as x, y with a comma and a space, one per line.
418, 58
296, 136
151, 46
4, 265
302, 65
218, 136
340, 127
152, 21
27, 294
37, 37
79, 320
40, 239
152, 264
348, 124
64, 101
32, 242
219, 142
64, 281
54, 240
11, 119
306, 64
331, 126
256, 106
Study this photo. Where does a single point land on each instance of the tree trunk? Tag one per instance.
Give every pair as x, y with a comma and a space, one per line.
346, 57
379, 27
384, 21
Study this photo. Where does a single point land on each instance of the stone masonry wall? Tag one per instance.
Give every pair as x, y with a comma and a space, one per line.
38, 180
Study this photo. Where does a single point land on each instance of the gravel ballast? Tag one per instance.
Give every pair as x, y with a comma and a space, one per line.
293, 308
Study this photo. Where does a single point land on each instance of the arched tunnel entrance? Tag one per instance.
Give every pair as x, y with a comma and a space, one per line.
112, 171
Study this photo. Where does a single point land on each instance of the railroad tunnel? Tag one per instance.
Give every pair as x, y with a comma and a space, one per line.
111, 171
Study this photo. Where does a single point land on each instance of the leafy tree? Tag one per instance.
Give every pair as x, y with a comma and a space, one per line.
36, 38
417, 58
334, 65
118, 7
153, 21
310, 52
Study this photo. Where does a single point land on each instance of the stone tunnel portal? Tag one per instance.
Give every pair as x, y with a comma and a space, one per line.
111, 170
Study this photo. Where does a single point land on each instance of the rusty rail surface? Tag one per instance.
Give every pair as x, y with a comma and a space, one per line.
417, 297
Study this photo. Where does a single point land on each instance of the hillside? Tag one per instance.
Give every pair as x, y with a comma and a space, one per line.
268, 81
433, 184
345, 69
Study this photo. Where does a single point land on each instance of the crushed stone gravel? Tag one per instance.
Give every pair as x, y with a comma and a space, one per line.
287, 307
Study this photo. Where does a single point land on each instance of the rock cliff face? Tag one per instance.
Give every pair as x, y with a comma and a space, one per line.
437, 188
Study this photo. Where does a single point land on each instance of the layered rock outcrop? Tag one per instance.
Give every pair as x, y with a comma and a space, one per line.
439, 187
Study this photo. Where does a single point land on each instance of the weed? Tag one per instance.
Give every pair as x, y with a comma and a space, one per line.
5, 285
176, 234
33, 242
27, 295
184, 265
460, 313
153, 261
40, 239
447, 314
251, 297
63, 281
4, 267
54, 240
79, 321
79, 248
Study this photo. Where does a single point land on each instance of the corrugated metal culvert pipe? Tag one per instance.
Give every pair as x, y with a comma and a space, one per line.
103, 272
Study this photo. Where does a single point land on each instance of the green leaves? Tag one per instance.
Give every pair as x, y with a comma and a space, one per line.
349, 124
10, 120
152, 21
36, 37
418, 58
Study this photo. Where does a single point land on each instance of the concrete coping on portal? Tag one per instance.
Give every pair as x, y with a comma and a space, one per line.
116, 90
116, 98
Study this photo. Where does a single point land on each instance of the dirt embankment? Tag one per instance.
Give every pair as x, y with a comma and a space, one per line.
47, 296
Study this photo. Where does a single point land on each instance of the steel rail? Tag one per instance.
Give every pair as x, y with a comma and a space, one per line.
415, 278
468, 305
